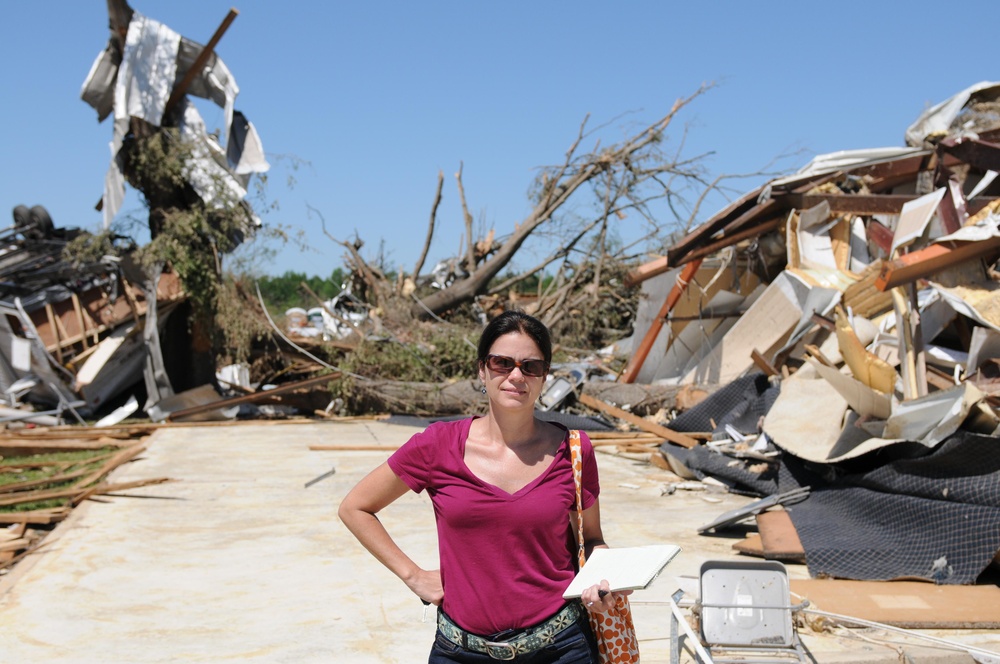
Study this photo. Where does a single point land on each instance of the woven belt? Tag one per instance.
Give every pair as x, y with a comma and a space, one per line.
530, 640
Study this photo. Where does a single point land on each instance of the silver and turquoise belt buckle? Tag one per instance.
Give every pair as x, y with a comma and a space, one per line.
502, 651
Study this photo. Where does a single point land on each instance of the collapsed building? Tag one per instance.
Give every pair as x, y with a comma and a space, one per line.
76, 335
849, 317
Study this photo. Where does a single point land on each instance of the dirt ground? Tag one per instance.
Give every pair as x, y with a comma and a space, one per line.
237, 560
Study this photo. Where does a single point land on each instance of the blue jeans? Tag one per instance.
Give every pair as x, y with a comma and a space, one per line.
574, 645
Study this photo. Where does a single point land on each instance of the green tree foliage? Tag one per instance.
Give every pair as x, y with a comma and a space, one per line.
285, 291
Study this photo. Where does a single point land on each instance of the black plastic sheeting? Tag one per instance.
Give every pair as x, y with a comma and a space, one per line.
936, 517
900, 512
740, 476
741, 404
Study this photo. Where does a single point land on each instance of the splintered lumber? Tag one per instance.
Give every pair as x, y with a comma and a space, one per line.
626, 435
867, 367
87, 478
643, 399
28, 447
932, 259
103, 489
42, 481
14, 544
763, 364
58, 478
118, 459
864, 298
36, 517
198, 66
416, 398
250, 398
23, 554
36, 496
645, 425
627, 442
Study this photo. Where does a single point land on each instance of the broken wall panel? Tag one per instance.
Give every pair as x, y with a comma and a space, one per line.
715, 293
765, 327
76, 318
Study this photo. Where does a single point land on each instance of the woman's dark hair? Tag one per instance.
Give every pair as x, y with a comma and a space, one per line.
515, 321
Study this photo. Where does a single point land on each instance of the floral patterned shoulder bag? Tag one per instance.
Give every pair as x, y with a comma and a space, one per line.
616, 639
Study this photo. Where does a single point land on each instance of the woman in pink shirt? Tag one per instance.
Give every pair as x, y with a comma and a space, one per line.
503, 494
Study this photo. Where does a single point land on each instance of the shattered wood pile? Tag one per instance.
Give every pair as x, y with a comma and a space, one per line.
850, 316
45, 473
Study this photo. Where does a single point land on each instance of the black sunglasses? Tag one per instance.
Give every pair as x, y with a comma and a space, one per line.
504, 365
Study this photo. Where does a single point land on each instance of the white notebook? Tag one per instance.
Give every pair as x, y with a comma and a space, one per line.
627, 568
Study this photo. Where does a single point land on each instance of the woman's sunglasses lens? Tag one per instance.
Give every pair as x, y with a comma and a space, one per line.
533, 368
503, 364
500, 363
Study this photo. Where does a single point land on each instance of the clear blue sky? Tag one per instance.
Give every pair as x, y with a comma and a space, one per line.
376, 97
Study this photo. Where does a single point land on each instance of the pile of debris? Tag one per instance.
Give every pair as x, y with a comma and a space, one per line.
45, 472
849, 316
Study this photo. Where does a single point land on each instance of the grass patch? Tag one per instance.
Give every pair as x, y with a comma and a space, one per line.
47, 472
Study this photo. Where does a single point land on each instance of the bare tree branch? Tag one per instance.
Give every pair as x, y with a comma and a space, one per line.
470, 252
430, 228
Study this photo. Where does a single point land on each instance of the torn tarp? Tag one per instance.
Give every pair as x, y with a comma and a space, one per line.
153, 60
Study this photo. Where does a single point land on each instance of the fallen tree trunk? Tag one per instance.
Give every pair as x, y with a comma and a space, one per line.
415, 398
641, 399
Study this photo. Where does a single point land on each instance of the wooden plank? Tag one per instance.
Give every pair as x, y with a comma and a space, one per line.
650, 427
14, 544
37, 496
932, 259
646, 271
907, 604
632, 435
36, 517
256, 396
751, 546
43, 481
50, 315
761, 362
864, 204
106, 488
779, 537
199, 64
24, 447
80, 321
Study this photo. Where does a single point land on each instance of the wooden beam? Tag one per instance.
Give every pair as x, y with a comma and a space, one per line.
199, 64
763, 364
39, 517
647, 271
730, 240
249, 398
639, 356
932, 259
651, 427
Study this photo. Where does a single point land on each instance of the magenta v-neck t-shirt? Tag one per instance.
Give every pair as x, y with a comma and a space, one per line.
505, 558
